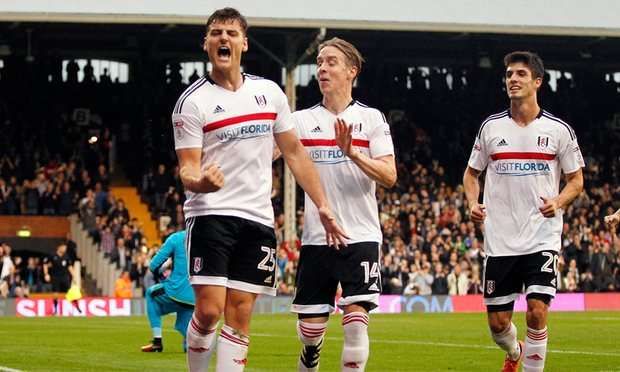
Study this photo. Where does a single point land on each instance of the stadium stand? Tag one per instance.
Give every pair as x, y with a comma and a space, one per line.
50, 165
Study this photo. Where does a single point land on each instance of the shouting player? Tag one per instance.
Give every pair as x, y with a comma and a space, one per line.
224, 128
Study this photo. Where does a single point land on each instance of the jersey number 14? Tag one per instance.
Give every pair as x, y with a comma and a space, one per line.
370, 271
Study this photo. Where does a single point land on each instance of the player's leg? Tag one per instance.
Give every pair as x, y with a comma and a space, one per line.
502, 284
154, 312
314, 300
359, 274
201, 332
56, 288
234, 339
540, 287
209, 245
184, 316
251, 272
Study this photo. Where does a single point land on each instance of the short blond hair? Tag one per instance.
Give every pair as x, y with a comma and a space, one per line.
353, 56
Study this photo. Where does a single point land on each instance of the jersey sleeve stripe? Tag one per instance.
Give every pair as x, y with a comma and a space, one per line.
330, 142
492, 117
239, 119
571, 132
522, 156
192, 88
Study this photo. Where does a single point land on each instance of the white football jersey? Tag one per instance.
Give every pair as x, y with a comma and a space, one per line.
523, 164
235, 131
350, 192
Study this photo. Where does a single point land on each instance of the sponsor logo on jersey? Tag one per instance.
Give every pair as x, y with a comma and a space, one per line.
522, 168
543, 142
261, 101
218, 109
317, 129
502, 143
327, 156
490, 287
357, 128
243, 132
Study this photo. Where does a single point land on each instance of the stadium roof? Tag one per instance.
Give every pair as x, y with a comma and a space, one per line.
551, 17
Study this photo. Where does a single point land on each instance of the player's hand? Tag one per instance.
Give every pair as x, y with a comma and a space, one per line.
344, 136
47, 278
211, 179
612, 221
333, 232
549, 207
477, 213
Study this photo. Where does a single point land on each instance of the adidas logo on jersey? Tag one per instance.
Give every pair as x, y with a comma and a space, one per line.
218, 109
502, 143
316, 130
374, 287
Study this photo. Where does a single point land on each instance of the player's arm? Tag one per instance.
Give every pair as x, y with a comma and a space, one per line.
46, 273
276, 153
381, 169
209, 179
307, 176
573, 187
472, 192
161, 256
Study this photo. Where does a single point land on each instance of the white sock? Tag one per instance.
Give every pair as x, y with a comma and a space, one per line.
232, 350
200, 345
507, 340
355, 349
156, 332
311, 336
535, 350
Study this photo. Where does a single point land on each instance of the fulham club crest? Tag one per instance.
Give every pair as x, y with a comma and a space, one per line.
490, 286
261, 101
543, 142
197, 264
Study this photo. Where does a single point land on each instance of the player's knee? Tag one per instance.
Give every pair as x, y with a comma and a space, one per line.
208, 314
536, 316
499, 325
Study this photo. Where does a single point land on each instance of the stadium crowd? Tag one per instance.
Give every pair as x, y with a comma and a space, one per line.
430, 246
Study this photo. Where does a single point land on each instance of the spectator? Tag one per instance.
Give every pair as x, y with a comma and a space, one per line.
458, 282
122, 286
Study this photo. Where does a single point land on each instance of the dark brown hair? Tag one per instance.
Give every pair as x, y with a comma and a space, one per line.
228, 14
531, 60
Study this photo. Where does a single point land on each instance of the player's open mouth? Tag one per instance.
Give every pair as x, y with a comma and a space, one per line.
223, 51
514, 88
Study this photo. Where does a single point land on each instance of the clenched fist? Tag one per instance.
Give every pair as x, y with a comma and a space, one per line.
211, 179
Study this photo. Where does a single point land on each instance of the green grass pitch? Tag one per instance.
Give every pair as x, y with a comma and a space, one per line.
399, 342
